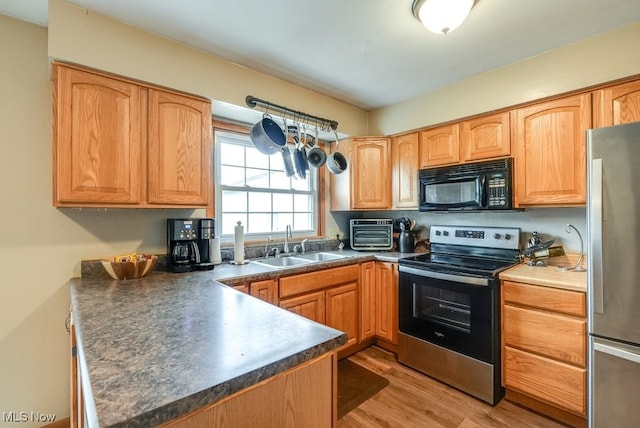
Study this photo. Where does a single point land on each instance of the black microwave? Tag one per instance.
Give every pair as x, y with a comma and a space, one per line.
474, 186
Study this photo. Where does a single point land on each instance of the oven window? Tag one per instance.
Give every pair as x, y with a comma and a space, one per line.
451, 193
445, 307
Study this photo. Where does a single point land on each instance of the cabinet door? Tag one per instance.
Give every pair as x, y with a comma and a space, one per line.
97, 139
387, 301
367, 300
404, 165
617, 105
485, 137
308, 305
550, 154
179, 149
440, 146
266, 290
370, 160
342, 305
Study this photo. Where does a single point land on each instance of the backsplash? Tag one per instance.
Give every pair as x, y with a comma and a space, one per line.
92, 269
550, 223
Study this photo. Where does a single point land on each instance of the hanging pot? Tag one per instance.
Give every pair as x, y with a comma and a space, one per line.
267, 136
336, 162
316, 156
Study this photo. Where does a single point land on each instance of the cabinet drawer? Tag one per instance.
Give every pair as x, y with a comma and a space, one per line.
551, 299
550, 381
556, 336
306, 282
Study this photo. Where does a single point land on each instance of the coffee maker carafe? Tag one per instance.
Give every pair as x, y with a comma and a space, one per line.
189, 242
182, 244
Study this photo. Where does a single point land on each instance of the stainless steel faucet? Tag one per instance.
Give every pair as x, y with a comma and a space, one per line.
266, 247
302, 245
287, 235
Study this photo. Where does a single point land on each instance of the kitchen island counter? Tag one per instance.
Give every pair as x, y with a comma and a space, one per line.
154, 349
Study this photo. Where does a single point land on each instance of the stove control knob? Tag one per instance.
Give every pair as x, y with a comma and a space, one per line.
445, 233
438, 233
497, 236
507, 236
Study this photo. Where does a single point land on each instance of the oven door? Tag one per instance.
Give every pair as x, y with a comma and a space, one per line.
446, 193
450, 310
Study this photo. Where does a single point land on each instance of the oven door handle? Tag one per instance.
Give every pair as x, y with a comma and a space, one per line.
445, 276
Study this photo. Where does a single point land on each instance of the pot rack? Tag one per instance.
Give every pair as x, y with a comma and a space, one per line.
298, 116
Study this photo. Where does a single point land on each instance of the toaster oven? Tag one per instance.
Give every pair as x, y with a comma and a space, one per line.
371, 234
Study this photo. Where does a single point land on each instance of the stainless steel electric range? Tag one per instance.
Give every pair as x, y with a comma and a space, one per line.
449, 307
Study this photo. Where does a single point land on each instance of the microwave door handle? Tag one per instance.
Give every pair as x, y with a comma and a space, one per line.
483, 187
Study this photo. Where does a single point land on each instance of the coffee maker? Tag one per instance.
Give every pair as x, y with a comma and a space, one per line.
188, 243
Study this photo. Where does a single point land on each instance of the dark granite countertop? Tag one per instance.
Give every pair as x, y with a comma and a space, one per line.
156, 348
162, 346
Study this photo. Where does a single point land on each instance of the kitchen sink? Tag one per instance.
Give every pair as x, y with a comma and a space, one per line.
321, 257
282, 262
297, 260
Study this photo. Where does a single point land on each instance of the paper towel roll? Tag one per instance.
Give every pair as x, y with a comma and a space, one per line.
214, 251
238, 248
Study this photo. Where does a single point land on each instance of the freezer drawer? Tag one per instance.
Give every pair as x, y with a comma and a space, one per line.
614, 381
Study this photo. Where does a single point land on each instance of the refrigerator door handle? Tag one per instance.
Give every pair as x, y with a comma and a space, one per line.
617, 352
595, 213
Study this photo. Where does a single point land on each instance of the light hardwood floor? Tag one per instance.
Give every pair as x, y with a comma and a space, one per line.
415, 400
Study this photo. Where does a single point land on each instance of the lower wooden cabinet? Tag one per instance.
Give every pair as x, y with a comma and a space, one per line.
300, 397
544, 339
379, 301
266, 290
367, 300
309, 305
329, 296
386, 298
341, 310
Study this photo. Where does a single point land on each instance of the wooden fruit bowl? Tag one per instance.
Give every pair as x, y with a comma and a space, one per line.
129, 269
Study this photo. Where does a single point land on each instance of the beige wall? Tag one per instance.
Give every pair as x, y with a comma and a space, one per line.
41, 246
97, 41
599, 59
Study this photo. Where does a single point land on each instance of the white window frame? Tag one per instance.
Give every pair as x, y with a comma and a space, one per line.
244, 139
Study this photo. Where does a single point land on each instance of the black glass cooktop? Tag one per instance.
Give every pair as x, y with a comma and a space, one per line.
453, 263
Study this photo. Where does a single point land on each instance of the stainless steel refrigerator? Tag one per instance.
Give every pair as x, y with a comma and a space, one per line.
613, 218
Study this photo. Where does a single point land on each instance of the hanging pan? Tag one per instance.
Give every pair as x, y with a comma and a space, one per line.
336, 162
316, 156
267, 136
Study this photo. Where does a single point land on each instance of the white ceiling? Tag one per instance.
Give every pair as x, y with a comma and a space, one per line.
369, 53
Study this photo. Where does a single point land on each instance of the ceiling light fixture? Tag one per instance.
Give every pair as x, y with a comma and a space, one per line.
442, 16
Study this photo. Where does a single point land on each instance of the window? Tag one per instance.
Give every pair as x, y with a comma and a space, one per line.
253, 188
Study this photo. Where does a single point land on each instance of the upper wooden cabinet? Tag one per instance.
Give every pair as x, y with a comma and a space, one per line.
485, 137
370, 161
404, 171
616, 105
365, 185
550, 154
440, 146
97, 135
118, 143
179, 149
